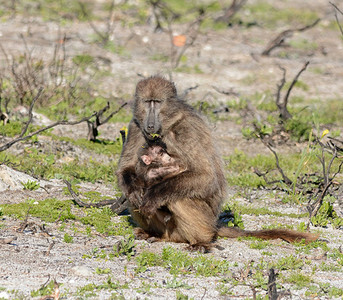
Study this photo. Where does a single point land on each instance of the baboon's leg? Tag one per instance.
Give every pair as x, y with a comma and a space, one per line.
150, 227
193, 222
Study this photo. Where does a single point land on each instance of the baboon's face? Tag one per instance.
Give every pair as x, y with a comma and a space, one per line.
152, 94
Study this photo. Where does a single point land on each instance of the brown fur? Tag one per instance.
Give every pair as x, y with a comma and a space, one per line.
155, 165
184, 207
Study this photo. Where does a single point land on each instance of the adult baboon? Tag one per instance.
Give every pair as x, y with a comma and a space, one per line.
191, 199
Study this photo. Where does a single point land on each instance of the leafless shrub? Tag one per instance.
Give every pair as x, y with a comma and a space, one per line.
181, 42
93, 125
25, 75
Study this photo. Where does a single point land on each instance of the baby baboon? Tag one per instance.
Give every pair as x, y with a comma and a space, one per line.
192, 198
156, 165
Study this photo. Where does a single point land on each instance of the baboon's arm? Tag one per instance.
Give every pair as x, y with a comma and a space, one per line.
128, 160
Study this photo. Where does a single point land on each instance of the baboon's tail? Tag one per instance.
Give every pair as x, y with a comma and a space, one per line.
272, 234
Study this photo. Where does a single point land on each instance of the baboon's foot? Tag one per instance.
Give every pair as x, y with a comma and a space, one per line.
200, 247
141, 234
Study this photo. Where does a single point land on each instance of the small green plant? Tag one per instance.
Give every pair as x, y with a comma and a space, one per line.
181, 296
45, 290
31, 185
326, 215
125, 247
100, 271
68, 238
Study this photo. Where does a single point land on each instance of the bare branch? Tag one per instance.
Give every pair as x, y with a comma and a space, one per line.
230, 92
285, 100
93, 126
282, 106
280, 39
337, 9
230, 11
118, 205
23, 138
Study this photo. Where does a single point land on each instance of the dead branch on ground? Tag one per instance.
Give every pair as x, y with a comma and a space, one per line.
280, 39
93, 125
230, 11
229, 92
118, 205
282, 105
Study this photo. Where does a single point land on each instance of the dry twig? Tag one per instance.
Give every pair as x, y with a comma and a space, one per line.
117, 205
280, 39
337, 10
230, 11
93, 126
282, 105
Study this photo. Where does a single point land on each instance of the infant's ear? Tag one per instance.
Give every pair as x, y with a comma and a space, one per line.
146, 159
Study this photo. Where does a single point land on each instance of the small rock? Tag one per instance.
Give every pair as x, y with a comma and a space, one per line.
82, 271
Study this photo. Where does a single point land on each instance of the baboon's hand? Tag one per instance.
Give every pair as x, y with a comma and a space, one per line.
135, 198
148, 209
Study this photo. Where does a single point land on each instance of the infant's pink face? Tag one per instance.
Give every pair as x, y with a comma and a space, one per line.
146, 159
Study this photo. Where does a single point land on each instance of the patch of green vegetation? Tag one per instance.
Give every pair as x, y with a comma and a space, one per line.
45, 290
160, 57
100, 219
42, 165
67, 238
14, 128
125, 247
62, 11
299, 84
326, 215
175, 284
100, 271
298, 280
303, 44
289, 263
272, 17
179, 262
51, 210
181, 296
83, 60
31, 185
90, 289
259, 244
85, 105
327, 290
248, 210
306, 248
100, 146
189, 69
